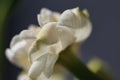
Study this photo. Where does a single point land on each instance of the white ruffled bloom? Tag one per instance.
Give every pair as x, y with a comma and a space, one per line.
18, 51
57, 32
72, 26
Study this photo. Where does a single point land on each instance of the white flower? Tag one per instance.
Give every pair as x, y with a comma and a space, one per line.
43, 45
72, 26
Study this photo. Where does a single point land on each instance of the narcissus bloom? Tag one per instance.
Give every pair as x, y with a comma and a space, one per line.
43, 45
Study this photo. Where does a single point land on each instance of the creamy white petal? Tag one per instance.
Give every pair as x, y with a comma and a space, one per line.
22, 76
48, 33
37, 67
83, 33
78, 22
51, 60
14, 40
10, 56
27, 34
66, 36
76, 11
42, 77
83, 16
47, 36
18, 55
46, 16
30, 33
69, 19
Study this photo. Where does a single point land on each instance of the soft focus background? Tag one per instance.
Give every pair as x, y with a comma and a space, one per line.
104, 41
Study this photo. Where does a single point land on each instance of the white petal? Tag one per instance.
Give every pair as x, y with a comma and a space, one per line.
27, 34
46, 16
51, 60
48, 33
69, 19
38, 52
18, 55
66, 36
22, 76
83, 33
47, 36
76, 11
14, 40
83, 16
9, 54
30, 33
37, 67
42, 77
78, 22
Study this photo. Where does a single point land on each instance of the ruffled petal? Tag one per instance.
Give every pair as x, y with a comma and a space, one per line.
30, 33
48, 34
78, 22
46, 16
37, 67
22, 76
69, 19
19, 46
66, 36
83, 33
18, 55
51, 60
14, 40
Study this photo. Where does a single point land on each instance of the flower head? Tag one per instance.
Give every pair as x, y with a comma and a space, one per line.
54, 37
42, 46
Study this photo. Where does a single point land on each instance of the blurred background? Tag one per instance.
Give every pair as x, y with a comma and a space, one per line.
104, 41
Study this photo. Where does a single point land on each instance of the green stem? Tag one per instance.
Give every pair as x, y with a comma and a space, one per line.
76, 66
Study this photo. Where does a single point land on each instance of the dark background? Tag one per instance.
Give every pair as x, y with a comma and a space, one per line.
104, 41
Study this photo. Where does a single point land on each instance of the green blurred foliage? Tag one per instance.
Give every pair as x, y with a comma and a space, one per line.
5, 8
99, 67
